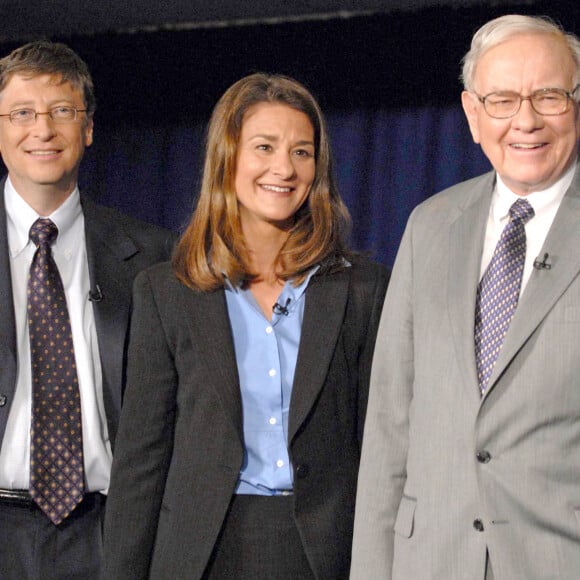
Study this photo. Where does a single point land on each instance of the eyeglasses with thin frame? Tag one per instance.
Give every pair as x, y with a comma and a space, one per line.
59, 115
547, 102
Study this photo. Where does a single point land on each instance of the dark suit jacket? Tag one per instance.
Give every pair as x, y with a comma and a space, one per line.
118, 247
180, 444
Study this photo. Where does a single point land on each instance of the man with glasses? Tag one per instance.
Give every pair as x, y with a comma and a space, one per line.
66, 271
471, 455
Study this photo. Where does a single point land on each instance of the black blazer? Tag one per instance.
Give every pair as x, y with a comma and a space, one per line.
180, 444
118, 247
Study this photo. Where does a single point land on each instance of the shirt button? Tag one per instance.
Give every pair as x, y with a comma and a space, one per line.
272, 372
478, 525
272, 420
269, 330
3, 400
280, 463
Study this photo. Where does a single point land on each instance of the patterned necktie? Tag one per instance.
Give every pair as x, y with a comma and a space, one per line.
499, 291
56, 454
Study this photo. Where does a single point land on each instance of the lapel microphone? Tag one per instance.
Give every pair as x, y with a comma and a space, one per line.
96, 295
543, 263
279, 309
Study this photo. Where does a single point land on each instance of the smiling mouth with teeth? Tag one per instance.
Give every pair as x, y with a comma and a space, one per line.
277, 188
527, 145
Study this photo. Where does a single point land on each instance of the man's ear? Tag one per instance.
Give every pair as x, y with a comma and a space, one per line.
88, 131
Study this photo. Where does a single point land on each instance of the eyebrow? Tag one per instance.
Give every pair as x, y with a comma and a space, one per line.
274, 138
31, 104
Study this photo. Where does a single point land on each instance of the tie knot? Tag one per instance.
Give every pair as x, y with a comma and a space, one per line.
521, 210
43, 232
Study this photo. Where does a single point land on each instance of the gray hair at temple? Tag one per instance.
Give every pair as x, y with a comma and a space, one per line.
501, 29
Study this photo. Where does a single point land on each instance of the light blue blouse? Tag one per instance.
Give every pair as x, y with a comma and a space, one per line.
266, 355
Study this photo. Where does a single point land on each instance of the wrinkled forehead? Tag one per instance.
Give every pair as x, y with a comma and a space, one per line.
18, 84
529, 56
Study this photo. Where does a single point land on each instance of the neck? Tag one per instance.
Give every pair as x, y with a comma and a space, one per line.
44, 200
264, 249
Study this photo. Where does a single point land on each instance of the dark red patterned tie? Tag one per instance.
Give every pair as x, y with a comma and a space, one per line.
56, 454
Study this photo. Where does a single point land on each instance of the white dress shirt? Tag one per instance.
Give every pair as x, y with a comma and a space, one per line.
545, 204
70, 254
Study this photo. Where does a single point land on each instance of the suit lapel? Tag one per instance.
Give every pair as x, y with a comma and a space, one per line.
211, 336
8, 355
465, 247
108, 249
326, 298
545, 287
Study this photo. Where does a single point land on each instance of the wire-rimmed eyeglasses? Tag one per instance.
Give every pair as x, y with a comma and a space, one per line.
59, 115
548, 102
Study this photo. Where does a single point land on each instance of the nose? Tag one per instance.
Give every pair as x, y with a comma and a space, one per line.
527, 119
282, 165
43, 127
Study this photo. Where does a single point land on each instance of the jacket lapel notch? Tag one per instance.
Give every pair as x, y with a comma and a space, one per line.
545, 287
465, 247
209, 311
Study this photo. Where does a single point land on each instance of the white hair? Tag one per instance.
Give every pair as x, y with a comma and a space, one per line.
501, 29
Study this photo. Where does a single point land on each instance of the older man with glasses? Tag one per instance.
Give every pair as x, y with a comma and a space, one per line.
471, 455
66, 272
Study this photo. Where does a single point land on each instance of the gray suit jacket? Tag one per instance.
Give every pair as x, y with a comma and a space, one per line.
446, 475
180, 444
118, 247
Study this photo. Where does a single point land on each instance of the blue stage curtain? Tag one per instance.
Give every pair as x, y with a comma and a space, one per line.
386, 162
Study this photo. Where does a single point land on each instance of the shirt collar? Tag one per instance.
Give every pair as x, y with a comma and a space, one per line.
297, 291
541, 201
290, 294
20, 217
293, 293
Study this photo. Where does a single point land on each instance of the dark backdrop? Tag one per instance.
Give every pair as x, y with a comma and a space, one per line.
388, 83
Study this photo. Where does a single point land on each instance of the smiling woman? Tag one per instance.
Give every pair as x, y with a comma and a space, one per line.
240, 134
275, 167
246, 466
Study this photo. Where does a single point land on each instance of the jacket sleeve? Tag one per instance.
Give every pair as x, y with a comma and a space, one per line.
382, 470
144, 443
375, 300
